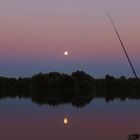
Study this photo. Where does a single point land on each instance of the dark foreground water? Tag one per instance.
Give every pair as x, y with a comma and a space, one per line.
21, 119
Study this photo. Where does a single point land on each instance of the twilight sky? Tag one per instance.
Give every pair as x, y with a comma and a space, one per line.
35, 33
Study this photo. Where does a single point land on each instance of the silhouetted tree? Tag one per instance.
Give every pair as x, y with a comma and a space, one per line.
78, 88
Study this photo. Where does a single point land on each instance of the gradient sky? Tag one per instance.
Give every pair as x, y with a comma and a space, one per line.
35, 33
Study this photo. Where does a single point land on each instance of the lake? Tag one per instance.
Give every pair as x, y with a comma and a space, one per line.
22, 119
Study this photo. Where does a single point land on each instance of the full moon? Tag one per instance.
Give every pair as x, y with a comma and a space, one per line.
65, 120
66, 53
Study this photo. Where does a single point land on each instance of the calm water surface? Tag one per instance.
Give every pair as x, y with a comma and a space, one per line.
21, 119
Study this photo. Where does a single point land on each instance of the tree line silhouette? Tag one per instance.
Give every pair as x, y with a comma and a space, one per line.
77, 88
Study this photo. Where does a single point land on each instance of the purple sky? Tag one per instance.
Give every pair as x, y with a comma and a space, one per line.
35, 33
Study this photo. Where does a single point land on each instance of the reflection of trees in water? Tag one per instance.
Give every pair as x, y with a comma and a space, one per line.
77, 89
78, 99
54, 98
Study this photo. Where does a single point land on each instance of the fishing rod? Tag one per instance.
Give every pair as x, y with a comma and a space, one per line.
122, 44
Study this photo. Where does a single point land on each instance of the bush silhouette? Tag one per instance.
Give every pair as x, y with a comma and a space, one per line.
78, 88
